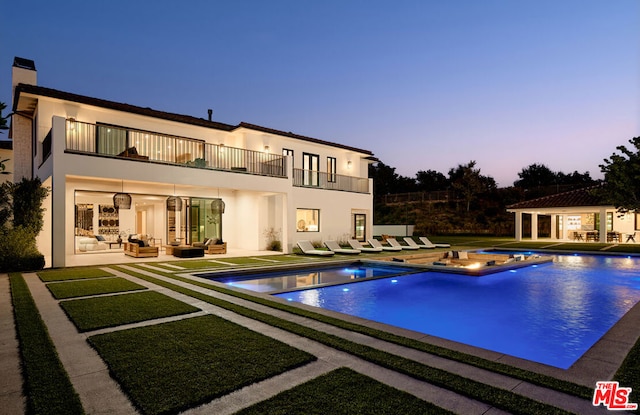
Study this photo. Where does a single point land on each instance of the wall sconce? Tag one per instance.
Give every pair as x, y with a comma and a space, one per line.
349, 164
266, 149
72, 123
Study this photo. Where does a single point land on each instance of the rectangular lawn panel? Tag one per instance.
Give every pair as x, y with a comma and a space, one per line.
114, 310
173, 366
203, 263
72, 274
343, 391
92, 287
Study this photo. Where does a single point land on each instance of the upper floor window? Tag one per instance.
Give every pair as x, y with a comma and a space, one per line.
311, 169
331, 169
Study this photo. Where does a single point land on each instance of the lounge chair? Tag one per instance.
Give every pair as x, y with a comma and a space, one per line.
393, 242
335, 247
308, 249
376, 244
357, 245
430, 244
409, 240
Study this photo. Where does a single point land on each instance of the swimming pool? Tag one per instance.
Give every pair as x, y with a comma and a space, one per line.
285, 280
550, 313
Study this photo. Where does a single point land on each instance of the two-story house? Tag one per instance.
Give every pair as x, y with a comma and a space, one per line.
116, 169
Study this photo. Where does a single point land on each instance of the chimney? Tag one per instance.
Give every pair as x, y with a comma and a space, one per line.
23, 72
21, 129
210, 111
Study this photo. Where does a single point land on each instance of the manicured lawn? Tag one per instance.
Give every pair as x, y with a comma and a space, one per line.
72, 274
114, 310
174, 366
343, 391
92, 287
46, 384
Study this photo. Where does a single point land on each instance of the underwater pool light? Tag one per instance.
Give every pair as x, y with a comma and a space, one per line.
512, 270
394, 281
345, 289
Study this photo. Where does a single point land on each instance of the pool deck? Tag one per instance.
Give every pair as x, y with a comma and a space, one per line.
99, 393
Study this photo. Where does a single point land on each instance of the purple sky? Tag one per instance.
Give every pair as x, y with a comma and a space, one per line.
424, 84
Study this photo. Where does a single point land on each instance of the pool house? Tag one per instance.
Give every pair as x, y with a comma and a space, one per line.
577, 215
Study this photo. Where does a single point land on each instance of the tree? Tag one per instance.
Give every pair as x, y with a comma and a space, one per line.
3, 120
468, 181
622, 178
28, 195
431, 180
387, 181
536, 175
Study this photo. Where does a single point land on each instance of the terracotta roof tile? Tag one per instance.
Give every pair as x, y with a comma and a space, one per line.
578, 197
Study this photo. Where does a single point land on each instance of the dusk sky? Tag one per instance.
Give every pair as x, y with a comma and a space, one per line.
423, 84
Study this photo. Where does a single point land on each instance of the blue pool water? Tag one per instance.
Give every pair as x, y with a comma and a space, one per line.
305, 277
551, 313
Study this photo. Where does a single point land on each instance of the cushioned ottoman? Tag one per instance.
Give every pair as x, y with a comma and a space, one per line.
187, 251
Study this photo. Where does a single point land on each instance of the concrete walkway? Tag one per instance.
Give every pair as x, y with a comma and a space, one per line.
99, 393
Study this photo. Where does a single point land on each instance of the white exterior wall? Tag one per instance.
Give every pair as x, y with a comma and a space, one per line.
254, 203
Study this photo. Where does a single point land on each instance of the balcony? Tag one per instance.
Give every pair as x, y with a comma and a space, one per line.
329, 181
150, 147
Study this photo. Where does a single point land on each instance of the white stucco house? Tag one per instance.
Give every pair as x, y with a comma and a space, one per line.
116, 169
577, 215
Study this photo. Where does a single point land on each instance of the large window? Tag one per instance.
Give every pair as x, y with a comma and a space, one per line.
308, 220
331, 169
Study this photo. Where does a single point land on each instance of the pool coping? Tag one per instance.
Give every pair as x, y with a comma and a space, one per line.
600, 362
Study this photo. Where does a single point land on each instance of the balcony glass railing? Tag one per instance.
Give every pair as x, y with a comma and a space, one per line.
167, 149
320, 180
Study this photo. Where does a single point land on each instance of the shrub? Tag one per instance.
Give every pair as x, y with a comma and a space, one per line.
18, 251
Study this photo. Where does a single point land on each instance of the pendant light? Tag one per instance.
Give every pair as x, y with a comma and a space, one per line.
217, 206
122, 200
174, 202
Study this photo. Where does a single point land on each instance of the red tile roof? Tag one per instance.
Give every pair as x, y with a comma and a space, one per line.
186, 119
573, 198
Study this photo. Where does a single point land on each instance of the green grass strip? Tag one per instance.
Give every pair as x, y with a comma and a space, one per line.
628, 373
497, 397
92, 287
46, 384
532, 377
115, 310
65, 274
343, 392
198, 264
169, 367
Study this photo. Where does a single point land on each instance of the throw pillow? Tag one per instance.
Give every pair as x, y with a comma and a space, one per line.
463, 255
